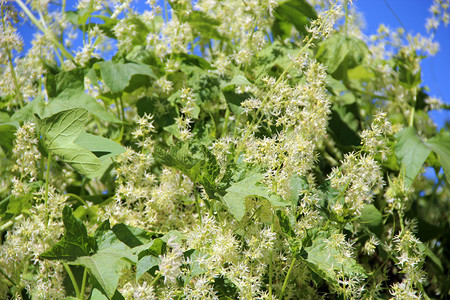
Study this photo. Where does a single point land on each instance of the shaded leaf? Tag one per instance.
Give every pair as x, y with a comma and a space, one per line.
340, 53
411, 152
7, 135
296, 12
440, 144
372, 218
75, 242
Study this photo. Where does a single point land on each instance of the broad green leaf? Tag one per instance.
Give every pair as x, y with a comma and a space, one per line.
343, 126
131, 236
106, 264
104, 149
98, 293
296, 12
238, 79
199, 164
149, 258
193, 60
19, 204
281, 28
285, 224
7, 135
68, 99
58, 134
372, 218
360, 72
75, 242
341, 53
274, 59
117, 76
325, 259
27, 112
412, 152
73, 80
204, 25
238, 192
78, 99
440, 144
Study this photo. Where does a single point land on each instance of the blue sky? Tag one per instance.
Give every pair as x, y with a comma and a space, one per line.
412, 14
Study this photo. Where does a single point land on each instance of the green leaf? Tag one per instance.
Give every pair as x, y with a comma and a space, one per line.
440, 144
285, 224
75, 242
98, 293
238, 192
341, 53
117, 76
7, 135
104, 149
131, 236
343, 126
78, 99
73, 80
58, 134
324, 259
296, 12
192, 60
68, 99
106, 264
204, 25
372, 218
149, 258
198, 163
412, 152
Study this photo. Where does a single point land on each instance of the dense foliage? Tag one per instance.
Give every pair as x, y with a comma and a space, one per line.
255, 149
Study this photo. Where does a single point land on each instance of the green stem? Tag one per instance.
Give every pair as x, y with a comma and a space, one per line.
83, 284
286, 279
225, 123
7, 277
413, 108
77, 197
47, 179
346, 17
72, 278
156, 279
271, 263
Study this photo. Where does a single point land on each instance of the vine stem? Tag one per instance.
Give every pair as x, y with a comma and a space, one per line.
83, 284
72, 279
156, 279
47, 179
286, 279
7, 277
